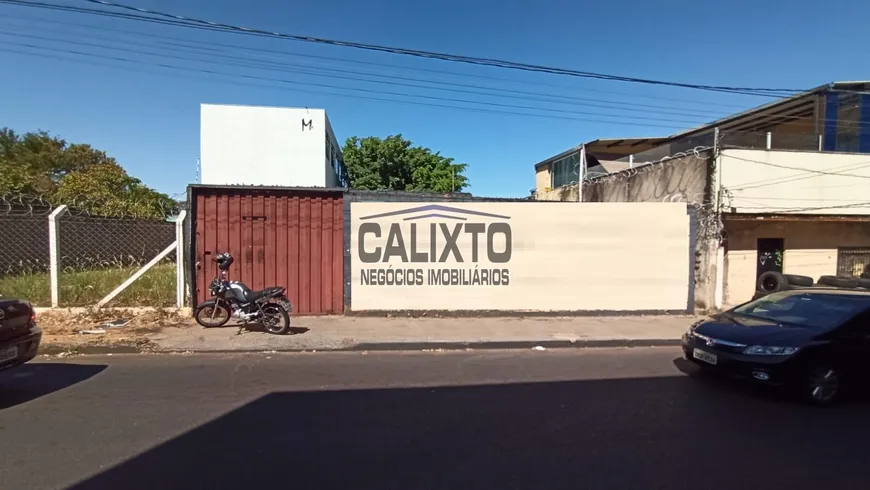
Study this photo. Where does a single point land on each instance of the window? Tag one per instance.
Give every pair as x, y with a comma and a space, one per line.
809, 310
853, 261
565, 171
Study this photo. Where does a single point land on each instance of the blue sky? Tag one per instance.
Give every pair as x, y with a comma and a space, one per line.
147, 116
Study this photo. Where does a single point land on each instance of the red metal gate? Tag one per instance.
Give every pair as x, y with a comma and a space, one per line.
283, 237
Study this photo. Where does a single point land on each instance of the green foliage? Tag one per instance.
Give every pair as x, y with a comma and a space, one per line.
107, 190
76, 175
394, 163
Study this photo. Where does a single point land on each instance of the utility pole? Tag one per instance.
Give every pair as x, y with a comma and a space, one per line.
581, 173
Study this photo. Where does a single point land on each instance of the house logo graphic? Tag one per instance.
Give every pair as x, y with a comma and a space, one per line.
436, 245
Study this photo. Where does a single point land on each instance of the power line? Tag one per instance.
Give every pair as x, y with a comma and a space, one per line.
793, 178
52, 55
820, 172
819, 208
747, 198
266, 65
636, 107
181, 21
210, 46
355, 89
275, 66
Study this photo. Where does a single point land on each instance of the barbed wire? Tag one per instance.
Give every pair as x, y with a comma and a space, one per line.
687, 187
43, 205
645, 167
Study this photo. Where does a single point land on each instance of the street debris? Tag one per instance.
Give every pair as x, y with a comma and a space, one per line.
93, 331
539, 348
122, 322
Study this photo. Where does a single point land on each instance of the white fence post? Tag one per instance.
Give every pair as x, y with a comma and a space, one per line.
769, 139
179, 260
54, 254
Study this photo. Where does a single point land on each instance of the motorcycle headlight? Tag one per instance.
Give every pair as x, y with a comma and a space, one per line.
769, 350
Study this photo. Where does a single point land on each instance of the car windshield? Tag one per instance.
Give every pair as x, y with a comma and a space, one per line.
811, 310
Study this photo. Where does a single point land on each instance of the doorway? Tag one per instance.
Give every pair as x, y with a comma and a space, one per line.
769, 255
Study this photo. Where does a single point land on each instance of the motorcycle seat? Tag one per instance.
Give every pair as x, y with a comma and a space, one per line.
263, 293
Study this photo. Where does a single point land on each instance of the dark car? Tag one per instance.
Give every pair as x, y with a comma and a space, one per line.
19, 335
815, 341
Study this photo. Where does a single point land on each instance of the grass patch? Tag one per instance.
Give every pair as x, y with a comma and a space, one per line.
85, 288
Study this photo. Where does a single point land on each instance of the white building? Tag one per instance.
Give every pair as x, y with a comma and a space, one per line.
275, 146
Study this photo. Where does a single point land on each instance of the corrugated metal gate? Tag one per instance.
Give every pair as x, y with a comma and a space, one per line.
279, 237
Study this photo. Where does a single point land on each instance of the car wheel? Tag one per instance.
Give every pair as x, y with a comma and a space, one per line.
823, 385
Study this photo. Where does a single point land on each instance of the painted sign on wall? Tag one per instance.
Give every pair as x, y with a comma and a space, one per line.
519, 256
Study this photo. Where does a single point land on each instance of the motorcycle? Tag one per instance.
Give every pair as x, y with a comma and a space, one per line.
232, 299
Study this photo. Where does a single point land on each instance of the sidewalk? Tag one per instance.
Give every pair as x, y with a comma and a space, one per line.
368, 333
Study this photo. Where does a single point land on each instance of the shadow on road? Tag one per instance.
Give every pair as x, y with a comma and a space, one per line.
664, 432
33, 380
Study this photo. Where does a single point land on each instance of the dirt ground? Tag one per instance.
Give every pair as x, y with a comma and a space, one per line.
66, 331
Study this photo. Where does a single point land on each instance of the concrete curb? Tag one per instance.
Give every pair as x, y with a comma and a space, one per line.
53, 349
515, 345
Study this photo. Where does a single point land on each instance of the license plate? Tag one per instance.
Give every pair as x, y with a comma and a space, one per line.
286, 305
704, 356
8, 354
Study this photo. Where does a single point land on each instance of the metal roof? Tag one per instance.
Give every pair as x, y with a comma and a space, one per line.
642, 144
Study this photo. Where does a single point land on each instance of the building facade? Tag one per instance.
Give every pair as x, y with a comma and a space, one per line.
276, 146
783, 187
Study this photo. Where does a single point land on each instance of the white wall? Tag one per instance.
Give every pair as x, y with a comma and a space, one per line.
520, 256
248, 145
760, 181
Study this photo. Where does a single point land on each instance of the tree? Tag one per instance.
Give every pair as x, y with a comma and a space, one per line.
76, 175
394, 163
107, 190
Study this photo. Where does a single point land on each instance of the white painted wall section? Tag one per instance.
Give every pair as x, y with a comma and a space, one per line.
275, 146
795, 182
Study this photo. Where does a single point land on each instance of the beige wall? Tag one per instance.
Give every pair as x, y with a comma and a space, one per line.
758, 181
542, 179
564, 256
810, 250
683, 180
566, 193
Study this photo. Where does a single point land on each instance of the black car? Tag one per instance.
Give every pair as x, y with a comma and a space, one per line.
815, 341
19, 335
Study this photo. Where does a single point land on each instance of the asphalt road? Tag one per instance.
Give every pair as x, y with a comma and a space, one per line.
577, 419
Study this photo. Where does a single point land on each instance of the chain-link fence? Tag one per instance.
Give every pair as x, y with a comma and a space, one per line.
24, 252
95, 256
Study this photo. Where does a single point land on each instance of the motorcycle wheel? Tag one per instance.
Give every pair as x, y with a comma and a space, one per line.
275, 319
211, 315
